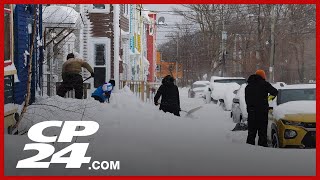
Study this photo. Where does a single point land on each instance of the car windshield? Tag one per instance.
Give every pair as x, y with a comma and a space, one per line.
198, 85
286, 95
238, 81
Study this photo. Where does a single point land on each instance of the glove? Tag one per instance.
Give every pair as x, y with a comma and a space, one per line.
92, 74
156, 103
271, 98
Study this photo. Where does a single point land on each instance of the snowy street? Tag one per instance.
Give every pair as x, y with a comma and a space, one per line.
147, 141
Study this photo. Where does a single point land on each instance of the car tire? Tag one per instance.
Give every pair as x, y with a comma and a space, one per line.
274, 139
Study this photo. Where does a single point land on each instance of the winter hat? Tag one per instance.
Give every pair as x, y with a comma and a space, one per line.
113, 82
70, 55
261, 73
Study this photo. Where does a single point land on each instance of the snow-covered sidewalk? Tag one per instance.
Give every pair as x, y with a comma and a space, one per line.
147, 141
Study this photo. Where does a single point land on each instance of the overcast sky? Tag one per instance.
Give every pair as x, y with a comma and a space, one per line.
170, 19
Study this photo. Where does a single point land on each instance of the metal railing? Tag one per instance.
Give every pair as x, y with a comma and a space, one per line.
144, 90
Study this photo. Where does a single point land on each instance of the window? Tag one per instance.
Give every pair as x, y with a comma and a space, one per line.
8, 89
125, 9
100, 76
287, 95
100, 54
7, 34
99, 6
158, 68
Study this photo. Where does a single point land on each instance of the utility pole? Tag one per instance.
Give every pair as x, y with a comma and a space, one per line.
271, 68
177, 58
116, 30
223, 43
176, 55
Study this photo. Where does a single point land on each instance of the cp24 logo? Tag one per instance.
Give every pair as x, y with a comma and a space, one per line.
68, 131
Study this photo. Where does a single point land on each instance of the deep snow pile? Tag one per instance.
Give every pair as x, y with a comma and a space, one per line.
149, 142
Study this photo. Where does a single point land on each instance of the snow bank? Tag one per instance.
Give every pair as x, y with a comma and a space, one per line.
294, 107
149, 142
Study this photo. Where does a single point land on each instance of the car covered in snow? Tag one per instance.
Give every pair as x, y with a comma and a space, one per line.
221, 90
292, 117
197, 89
239, 107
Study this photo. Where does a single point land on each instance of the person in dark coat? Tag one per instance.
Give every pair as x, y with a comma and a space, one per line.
170, 100
256, 96
71, 76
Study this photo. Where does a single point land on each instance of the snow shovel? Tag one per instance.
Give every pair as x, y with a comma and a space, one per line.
192, 111
240, 127
87, 78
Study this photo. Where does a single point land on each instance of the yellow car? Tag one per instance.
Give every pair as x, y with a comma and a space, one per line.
292, 120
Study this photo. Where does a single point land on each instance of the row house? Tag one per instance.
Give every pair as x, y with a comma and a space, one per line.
151, 46
22, 28
142, 44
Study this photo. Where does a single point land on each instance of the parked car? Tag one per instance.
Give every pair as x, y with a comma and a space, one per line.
197, 89
292, 117
239, 106
222, 89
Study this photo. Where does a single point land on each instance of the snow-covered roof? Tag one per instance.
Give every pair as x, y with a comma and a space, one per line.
10, 67
299, 86
61, 16
294, 107
145, 15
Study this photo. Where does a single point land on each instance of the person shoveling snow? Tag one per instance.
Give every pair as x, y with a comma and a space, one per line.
170, 100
